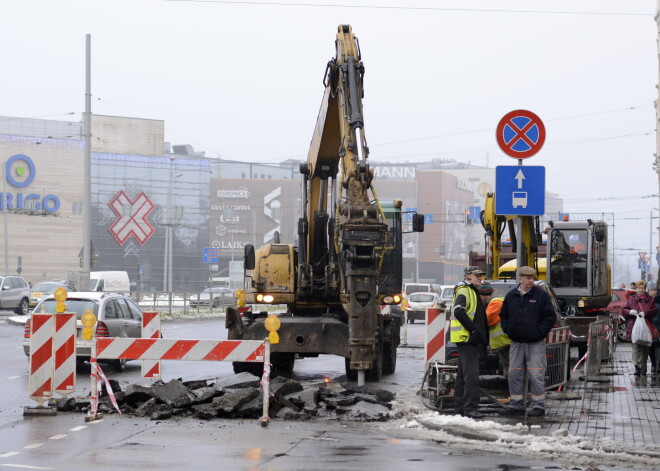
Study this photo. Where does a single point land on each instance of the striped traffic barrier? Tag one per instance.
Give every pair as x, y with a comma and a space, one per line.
434, 345
151, 330
40, 384
558, 335
64, 350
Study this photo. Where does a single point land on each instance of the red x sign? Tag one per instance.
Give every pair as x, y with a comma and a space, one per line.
131, 217
520, 134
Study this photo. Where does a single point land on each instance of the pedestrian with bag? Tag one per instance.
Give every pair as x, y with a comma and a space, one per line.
527, 316
498, 341
640, 307
469, 332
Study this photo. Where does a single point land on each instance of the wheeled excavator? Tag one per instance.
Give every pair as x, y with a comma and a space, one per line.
348, 260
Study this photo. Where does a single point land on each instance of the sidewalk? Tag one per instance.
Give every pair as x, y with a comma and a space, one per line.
622, 407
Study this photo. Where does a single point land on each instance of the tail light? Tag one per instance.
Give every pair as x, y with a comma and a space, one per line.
102, 329
26, 332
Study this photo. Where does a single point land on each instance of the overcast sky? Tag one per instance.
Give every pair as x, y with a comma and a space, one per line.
242, 80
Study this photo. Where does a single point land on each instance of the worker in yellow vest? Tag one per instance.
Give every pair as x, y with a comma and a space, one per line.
469, 332
499, 342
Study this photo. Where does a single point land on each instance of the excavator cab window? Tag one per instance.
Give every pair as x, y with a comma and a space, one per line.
568, 262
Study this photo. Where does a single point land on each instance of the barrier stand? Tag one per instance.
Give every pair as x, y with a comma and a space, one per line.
94, 387
40, 384
265, 382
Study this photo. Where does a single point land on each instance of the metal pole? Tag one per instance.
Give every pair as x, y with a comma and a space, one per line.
4, 218
87, 196
657, 121
520, 260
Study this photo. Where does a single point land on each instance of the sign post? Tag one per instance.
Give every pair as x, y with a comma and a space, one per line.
520, 134
210, 257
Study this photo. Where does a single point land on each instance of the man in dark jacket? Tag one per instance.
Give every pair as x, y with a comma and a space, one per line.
527, 317
469, 331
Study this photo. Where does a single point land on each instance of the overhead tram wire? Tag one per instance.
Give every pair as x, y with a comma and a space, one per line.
413, 8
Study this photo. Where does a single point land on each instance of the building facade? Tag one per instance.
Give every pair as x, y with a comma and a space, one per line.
157, 209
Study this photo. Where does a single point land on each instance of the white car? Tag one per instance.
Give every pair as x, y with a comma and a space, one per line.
418, 302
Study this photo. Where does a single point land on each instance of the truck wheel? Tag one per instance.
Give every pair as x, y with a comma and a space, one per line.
351, 375
22, 308
256, 369
376, 372
389, 358
283, 361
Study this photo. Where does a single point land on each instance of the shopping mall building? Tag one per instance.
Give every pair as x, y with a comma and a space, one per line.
153, 203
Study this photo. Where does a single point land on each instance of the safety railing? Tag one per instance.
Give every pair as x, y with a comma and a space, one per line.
181, 302
557, 352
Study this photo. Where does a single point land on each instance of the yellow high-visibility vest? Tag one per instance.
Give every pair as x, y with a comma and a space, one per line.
498, 339
458, 333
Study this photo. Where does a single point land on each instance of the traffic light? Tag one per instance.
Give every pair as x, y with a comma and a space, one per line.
468, 219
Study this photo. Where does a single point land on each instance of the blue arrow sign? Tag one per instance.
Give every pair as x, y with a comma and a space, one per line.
210, 255
520, 191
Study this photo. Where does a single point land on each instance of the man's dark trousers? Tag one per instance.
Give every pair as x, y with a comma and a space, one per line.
466, 398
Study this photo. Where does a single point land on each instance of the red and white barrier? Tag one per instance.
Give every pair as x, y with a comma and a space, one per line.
178, 349
434, 346
151, 330
64, 348
558, 335
40, 384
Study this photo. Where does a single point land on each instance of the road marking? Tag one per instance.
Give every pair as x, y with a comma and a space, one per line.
9, 453
33, 445
15, 377
58, 437
78, 428
25, 466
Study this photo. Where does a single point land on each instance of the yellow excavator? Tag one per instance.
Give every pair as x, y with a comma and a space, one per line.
348, 261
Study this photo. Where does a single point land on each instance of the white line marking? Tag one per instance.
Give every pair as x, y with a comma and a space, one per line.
25, 466
78, 428
15, 377
9, 453
32, 445
58, 437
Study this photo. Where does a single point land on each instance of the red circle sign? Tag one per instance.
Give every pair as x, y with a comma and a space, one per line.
520, 134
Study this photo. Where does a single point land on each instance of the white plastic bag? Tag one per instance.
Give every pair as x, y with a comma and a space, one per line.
641, 335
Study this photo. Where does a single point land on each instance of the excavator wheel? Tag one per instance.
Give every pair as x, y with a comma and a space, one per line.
283, 361
351, 375
389, 358
255, 368
376, 372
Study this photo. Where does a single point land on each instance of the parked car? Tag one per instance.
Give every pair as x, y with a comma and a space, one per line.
418, 302
117, 315
44, 288
447, 294
220, 296
491, 364
619, 299
14, 294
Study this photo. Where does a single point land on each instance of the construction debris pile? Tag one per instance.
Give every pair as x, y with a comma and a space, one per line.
241, 396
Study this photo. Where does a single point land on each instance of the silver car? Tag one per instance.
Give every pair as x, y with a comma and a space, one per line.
117, 315
418, 302
14, 294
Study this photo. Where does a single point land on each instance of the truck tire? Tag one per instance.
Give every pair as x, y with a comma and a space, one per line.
389, 358
283, 361
351, 375
254, 368
376, 372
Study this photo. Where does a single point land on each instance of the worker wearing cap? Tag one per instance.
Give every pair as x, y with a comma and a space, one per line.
469, 332
527, 316
499, 342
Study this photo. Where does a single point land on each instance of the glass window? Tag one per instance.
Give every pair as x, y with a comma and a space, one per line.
123, 309
111, 310
79, 306
133, 309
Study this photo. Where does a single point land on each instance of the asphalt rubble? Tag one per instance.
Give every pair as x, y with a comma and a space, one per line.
241, 396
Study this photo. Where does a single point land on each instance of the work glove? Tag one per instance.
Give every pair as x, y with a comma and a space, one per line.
632, 312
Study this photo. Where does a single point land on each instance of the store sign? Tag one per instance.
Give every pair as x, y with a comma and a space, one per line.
20, 172
242, 192
131, 217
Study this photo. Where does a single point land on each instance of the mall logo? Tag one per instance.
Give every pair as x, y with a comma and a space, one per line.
20, 172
